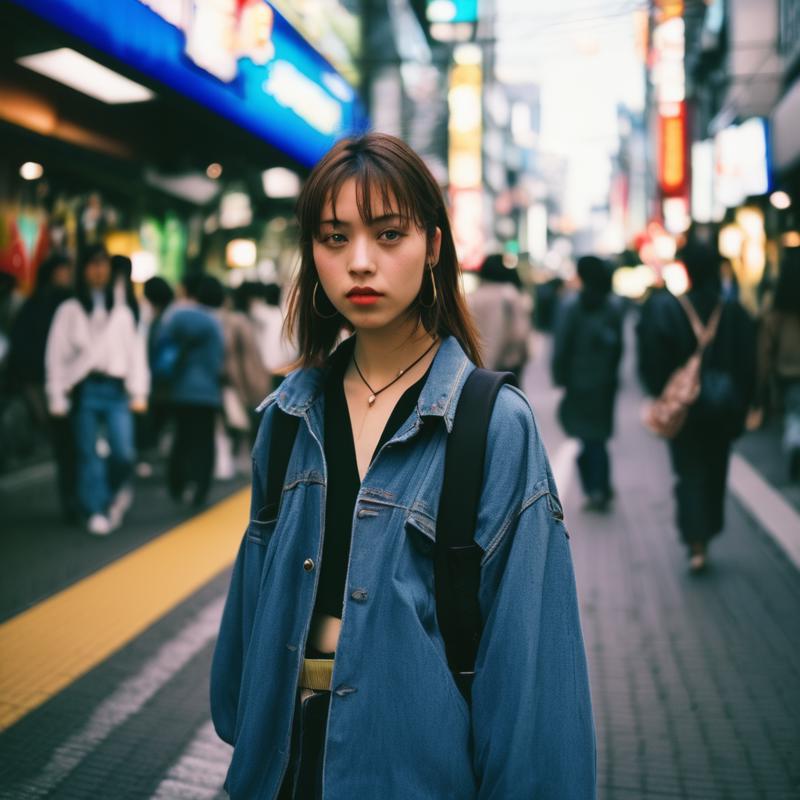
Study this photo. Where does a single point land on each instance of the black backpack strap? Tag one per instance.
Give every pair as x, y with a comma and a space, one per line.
283, 434
457, 562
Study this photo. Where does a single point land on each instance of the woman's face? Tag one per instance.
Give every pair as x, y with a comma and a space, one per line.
98, 273
371, 271
62, 276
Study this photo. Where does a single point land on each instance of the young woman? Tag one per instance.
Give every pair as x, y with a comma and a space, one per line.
701, 450
344, 569
96, 360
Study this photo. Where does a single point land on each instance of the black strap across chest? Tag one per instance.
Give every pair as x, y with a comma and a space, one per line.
457, 559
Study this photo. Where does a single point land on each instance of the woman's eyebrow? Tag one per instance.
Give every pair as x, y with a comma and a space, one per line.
383, 218
386, 218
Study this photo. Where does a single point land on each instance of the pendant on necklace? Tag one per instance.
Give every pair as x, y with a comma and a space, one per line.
371, 400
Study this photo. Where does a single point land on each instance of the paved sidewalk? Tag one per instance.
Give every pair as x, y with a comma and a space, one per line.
42, 554
695, 681
764, 450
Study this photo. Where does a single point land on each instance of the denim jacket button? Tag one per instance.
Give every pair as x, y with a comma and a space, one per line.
308, 565
359, 595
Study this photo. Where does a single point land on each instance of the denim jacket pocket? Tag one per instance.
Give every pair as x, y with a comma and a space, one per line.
261, 528
421, 531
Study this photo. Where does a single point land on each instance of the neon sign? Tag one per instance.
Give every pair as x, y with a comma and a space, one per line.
239, 58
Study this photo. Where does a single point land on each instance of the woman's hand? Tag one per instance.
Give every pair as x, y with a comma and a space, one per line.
138, 406
755, 419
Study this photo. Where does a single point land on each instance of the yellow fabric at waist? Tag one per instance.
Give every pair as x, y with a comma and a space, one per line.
317, 674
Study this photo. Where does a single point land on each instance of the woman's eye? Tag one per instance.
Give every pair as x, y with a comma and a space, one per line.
391, 235
334, 238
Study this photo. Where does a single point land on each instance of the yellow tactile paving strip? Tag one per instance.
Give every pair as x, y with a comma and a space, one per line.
50, 645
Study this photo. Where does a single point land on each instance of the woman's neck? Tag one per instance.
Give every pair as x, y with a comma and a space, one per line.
382, 354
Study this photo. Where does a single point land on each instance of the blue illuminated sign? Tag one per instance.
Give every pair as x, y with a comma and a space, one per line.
239, 58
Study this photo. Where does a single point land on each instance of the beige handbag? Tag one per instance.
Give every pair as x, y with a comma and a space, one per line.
666, 415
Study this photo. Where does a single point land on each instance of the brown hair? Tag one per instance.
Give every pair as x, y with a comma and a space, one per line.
384, 163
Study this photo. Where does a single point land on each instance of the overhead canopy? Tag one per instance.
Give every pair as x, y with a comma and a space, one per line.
240, 58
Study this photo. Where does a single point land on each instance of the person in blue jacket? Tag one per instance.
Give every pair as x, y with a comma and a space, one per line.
330, 677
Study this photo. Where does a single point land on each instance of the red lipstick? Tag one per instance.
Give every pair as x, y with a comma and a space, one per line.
363, 295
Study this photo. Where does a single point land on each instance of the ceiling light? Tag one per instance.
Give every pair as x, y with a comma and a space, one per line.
214, 170
280, 182
31, 171
241, 253
441, 11
780, 200
79, 72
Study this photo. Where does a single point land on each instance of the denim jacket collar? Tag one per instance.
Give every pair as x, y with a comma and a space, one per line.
439, 397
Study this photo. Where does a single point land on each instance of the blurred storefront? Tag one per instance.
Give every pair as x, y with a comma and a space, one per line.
742, 63
167, 130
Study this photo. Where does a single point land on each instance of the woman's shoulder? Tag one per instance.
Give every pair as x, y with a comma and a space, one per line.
68, 310
512, 427
516, 458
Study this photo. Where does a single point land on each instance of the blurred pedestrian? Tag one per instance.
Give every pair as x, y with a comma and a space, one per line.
700, 451
121, 278
158, 296
246, 381
95, 359
26, 366
265, 310
779, 355
502, 314
192, 334
587, 348
347, 547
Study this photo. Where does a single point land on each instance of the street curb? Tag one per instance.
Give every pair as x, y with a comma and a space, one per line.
778, 518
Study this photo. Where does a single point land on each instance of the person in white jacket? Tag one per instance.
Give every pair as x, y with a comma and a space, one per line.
96, 371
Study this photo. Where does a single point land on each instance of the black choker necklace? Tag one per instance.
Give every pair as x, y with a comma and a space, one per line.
371, 399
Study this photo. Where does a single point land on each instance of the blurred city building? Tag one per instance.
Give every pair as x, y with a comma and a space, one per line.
743, 152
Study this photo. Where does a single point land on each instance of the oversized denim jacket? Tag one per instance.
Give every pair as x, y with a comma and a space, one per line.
398, 727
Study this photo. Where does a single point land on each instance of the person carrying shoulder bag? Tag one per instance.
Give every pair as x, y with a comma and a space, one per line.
670, 330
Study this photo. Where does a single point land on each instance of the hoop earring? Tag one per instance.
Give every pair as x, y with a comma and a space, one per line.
435, 295
314, 304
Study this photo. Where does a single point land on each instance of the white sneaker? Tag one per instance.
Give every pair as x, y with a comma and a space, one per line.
99, 525
119, 506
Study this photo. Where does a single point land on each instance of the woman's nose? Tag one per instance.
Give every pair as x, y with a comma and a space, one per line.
361, 259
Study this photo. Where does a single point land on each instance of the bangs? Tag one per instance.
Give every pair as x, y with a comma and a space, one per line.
380, 190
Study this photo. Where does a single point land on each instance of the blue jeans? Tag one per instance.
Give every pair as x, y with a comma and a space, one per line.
594, 468
102, 403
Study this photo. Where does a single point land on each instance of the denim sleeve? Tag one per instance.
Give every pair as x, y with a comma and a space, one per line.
237, 618
533, 732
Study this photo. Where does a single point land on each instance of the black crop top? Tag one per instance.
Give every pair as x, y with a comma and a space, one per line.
344, 484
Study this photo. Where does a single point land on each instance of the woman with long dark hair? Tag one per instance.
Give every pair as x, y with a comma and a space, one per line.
331, 674
668, 336
96, 361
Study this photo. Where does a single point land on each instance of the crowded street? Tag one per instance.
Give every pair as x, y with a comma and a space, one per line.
693, 678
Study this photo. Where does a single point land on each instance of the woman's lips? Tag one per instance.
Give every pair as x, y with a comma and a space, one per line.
363, 299
363, 296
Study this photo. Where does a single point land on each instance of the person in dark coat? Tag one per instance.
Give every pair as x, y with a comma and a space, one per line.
28, 340
587, 350
701, 450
